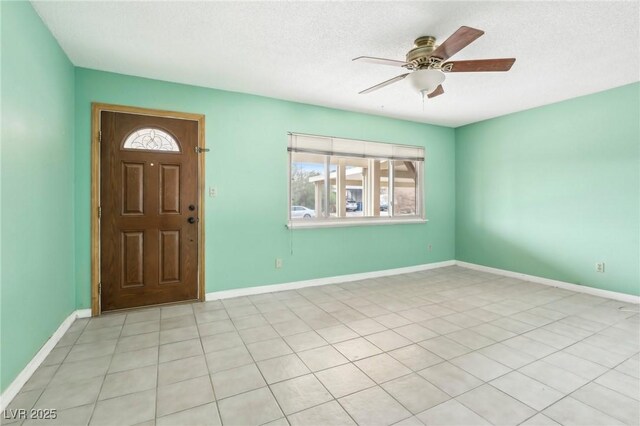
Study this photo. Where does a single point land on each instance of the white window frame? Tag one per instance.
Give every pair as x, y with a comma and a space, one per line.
342, 147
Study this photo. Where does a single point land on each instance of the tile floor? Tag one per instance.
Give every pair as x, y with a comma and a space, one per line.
449, 346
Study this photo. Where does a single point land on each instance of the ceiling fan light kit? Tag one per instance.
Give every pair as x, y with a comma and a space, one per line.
427, 80
426, 62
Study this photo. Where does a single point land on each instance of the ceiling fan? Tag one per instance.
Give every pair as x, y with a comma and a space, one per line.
426, 62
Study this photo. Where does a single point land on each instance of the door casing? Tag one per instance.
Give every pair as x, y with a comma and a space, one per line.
96, 109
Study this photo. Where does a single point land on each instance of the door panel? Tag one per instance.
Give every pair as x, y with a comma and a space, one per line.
149, 249
169, 256
132, 191
169, 188
132, 259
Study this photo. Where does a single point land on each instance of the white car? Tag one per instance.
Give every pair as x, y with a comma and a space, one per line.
351, 206
301, 212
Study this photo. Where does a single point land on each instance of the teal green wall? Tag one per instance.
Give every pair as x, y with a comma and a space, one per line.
245, 224
553, 190
38, 288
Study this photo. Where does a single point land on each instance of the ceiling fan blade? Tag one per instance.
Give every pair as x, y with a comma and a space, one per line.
384, 83
380, 61
480, 65
439, 91
456, 42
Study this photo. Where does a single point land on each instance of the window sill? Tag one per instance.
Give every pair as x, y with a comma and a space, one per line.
328, 223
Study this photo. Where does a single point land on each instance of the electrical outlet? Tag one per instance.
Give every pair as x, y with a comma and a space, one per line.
429, 247
213, 191
278, 263
600, 267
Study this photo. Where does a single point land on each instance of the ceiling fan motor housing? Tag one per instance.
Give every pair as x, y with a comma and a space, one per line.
420, 56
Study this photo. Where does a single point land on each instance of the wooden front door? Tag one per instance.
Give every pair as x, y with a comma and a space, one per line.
149, 210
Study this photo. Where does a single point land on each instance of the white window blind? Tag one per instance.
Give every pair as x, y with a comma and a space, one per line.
353, 148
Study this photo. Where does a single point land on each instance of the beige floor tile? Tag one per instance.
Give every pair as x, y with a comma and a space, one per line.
344, 380
533, 393
250, 321
573, 364
258, 334
228, 358
480, 366
557, 378
269, 349
388, 340
137, 342
251, 408
179, 334
204, 415
415, 393
328, 414
366, 326
374, 407
540, 420
305, 341
415, 357
415, 333
179, 350
451, 379
215, 327
356, 349
81, 352
571, 412
506, 355
182, 369
70, 395
140, 328
300, 393
382, 368
282, 368
609, 402
70, 372
123, 361
237, 380
496, 406
125, 410
129, 381
622, 383
445, 347
322, 358
451, 413
218, 342
337, 333
184, 395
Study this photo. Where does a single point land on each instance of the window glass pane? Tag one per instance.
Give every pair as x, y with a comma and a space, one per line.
384, 188
151, 140
405, 188
347, 180
307, 185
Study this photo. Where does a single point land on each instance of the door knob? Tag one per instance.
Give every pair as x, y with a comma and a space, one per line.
191, 219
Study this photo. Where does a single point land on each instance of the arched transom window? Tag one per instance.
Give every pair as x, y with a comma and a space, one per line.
151, 139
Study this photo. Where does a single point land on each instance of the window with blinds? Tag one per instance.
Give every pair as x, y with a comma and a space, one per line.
346, 181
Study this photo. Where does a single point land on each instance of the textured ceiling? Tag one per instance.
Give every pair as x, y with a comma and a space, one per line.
302, 51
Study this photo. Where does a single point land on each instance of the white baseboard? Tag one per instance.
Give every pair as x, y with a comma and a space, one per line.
26, 373
83, 313
250, 291
554, 283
